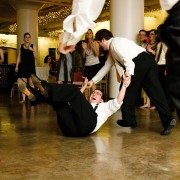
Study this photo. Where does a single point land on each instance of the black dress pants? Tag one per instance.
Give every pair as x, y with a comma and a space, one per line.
163, 81
146, 77
75, 115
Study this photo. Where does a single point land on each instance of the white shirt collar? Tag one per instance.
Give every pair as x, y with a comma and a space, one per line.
109, 42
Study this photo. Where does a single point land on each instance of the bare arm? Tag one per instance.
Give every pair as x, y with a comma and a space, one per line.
34, 50
102, 72
122, 92
95, 48
84, 86
18, 60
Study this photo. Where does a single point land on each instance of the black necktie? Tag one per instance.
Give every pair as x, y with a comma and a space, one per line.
96, 106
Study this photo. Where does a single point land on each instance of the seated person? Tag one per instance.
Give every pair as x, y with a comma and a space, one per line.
47, 61
75, 115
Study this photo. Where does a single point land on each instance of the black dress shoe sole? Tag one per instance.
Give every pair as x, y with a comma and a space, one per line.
23, 87
169, 128
41, 84
123, 124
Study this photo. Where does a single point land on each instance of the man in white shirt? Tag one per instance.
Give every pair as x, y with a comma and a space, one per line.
170, 35
127, 54
76, 116
141, 69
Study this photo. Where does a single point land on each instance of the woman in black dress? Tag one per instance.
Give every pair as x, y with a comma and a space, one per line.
25, 65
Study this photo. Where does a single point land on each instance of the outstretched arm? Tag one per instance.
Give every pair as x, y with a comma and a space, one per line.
102, 72
122, 92
85, 85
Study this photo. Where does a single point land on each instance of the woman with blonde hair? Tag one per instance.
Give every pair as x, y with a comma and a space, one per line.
90, 54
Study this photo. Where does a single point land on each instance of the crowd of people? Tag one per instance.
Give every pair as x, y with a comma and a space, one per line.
150, 40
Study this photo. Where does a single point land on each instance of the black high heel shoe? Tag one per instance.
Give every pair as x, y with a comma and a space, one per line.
40, 84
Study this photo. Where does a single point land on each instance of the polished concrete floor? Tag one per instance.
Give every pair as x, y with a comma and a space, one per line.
33, 148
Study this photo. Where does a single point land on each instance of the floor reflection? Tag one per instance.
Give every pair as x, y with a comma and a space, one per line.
33, 147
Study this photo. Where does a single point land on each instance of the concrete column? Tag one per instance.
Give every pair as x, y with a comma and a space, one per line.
27, 20
126, 19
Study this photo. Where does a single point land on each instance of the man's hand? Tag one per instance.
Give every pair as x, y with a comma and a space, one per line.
127, 73
84, 85
85, 81
90, 83
126, 80
65, 49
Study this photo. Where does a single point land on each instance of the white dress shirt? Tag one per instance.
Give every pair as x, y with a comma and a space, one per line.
162, 57
84, 13
105, 110
122, 51
167, 4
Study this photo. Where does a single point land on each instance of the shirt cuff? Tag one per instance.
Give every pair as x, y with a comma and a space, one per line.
117, 104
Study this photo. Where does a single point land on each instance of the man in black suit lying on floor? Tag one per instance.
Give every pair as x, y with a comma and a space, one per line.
76, 116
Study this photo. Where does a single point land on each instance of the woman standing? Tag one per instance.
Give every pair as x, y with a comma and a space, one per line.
153, 41
25, 65
90, 53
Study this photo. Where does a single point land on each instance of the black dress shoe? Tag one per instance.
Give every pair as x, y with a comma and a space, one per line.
125, 124
33, 94
40, 84
22, 85
167, 130
37, 94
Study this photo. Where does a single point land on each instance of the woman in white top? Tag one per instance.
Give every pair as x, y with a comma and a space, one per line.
90, 53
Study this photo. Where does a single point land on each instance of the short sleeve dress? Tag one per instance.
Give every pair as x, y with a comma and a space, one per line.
27, 63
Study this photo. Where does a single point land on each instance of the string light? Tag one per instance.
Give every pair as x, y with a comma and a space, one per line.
54, 16
13, 27
65, 11
155, 13
55, 34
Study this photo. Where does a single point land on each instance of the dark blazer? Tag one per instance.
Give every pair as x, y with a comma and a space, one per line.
170, 34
